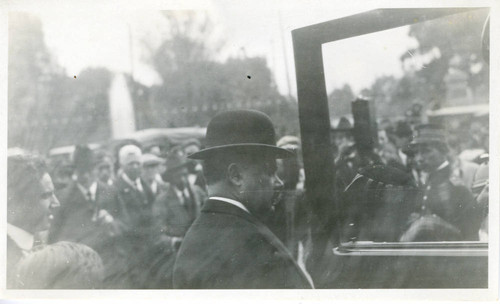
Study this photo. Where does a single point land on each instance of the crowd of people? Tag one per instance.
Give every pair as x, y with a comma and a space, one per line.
233, 213
421, 183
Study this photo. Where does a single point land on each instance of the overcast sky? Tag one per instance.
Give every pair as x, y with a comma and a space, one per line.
101, 37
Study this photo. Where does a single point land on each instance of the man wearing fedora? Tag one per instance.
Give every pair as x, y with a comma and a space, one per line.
174, 211
228, 246
177, 208
446, 208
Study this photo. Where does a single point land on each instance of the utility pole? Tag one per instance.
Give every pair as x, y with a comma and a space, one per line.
285, 57
131, 53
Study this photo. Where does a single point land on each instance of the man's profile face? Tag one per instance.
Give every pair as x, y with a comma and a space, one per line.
428, 158
259, 184
41, 214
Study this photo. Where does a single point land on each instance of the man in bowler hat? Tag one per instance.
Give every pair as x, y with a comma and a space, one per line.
83, 217
228, 246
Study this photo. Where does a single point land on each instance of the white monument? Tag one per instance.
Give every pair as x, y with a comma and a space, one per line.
121, 108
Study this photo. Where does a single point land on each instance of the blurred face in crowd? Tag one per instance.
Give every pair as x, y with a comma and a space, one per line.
177, 177
130, 157
428, 158
259, 183
150, 171
41, 214
388, 152
341, 140
85, 177
104, 171
61, 177
402, 142
188, 150
132, 169
382, 137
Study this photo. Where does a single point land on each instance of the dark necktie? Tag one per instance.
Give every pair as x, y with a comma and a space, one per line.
92, 205
189, 204
89, 196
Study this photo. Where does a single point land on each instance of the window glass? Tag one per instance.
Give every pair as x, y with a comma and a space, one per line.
409, 124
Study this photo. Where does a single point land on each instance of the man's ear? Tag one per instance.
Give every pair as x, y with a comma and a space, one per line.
234, 174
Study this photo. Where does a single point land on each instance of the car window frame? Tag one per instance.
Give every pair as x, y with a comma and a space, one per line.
314, 119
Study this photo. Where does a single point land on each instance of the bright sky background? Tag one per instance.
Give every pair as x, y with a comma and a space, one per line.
100, 37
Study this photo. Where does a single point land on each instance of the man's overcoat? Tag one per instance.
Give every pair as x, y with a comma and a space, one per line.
226, 247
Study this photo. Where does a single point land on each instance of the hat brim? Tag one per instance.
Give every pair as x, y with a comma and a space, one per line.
177, 167
422, 142
153, 163
278, 153
341, 130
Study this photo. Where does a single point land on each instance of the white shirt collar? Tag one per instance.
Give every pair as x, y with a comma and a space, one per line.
443, 165
137, 184
181, 194
92, 190
230, 201
154, 186
21, 237
403, 156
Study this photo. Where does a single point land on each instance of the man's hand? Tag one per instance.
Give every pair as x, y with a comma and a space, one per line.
105, 219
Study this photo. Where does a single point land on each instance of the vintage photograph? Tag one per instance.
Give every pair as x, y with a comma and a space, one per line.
239, 146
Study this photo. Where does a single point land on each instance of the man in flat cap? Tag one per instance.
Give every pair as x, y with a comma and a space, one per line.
151, 173
447, 211
228, 246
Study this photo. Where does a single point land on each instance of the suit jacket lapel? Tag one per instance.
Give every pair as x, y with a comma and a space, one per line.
137, 197
223, 207
79, 199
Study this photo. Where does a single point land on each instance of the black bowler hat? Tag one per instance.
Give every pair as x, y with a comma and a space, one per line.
240, 129
83, 158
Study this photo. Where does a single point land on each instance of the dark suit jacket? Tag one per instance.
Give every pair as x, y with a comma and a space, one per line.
132, 208
173, 218
73, 222
228, 248
452, 202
